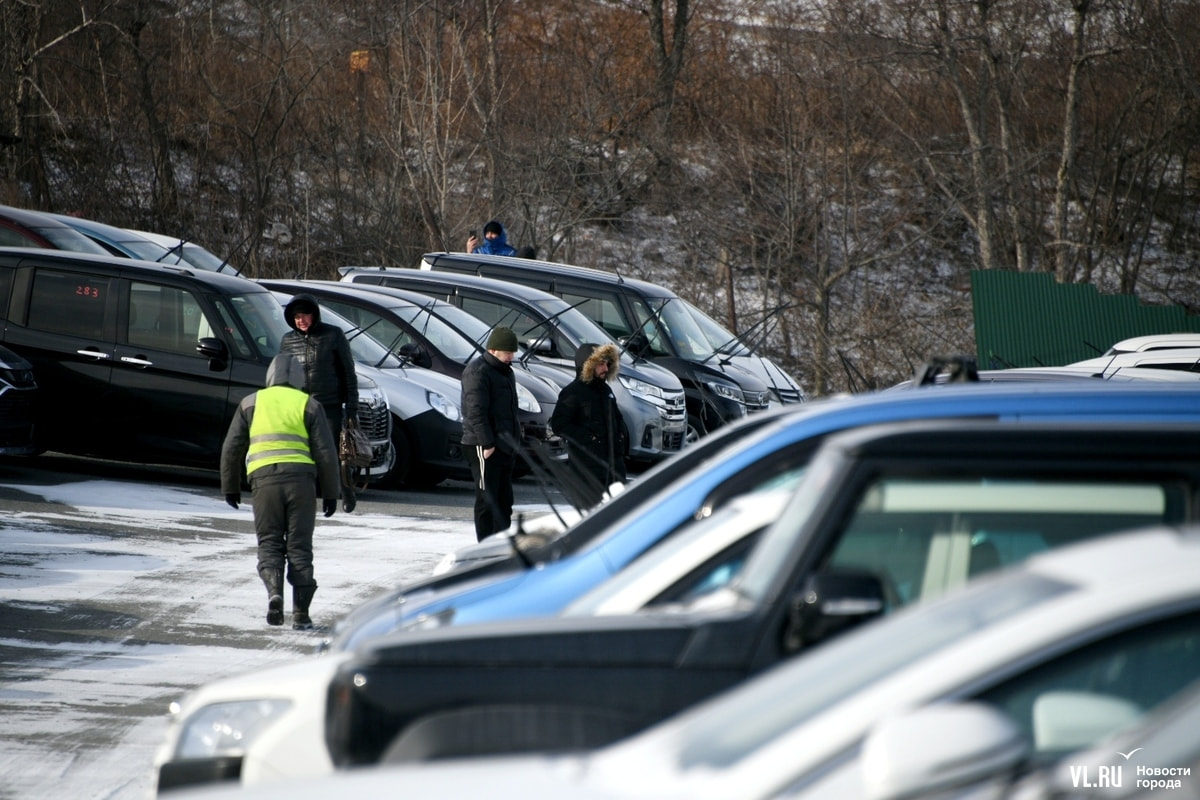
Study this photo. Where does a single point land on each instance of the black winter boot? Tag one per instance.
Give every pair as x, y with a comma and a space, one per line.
301, 597
273, 580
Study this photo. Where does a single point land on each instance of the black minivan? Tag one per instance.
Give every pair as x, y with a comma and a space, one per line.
136, 361
651, 321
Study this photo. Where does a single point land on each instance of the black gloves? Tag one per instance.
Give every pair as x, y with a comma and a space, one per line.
233, 499
329, 506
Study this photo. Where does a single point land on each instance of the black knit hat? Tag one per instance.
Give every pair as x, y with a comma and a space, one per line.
502, 339
493, 227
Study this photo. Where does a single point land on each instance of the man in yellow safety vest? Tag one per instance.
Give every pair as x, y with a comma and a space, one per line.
280, 441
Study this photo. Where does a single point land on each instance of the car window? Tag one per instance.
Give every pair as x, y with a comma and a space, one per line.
69, 303
604, 310
1095, 691
925, 536
256, 315
721, 339
165, 318
770, 706
6, 282
12, 238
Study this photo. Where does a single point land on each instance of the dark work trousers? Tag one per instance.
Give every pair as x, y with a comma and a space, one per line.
285, 514
493, 478
333, 413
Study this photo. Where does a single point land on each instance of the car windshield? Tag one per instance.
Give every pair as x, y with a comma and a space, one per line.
746, 719
144, 250
365, 348
700, 557
671, 329
721, 339
451, 330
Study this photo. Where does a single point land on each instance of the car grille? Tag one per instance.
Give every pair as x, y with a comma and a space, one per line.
674, 408
375, 422
788, 395
672, 441
757, 401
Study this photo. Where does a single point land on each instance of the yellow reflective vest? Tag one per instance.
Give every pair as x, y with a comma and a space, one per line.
278, 434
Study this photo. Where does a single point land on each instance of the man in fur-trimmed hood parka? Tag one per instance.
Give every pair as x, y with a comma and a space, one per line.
587, 418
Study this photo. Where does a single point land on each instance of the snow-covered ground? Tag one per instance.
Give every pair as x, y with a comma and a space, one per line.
116, 597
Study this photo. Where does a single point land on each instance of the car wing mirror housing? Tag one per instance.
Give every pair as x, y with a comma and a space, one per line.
944, 749
832, 602
215, 351
416, 355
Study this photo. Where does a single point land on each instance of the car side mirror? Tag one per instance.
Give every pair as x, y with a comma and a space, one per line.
942, 748
215, 351
830, 603
415, 354
541, 345
637, 345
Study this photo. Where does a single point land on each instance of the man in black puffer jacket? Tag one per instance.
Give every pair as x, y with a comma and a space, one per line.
329, 375
491, 431
588, 419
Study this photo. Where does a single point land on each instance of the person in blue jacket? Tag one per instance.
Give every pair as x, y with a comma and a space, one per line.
495, 241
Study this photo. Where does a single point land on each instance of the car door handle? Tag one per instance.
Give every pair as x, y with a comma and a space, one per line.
96, 354
140, 361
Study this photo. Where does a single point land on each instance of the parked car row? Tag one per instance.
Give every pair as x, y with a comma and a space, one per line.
650, 397
672, 592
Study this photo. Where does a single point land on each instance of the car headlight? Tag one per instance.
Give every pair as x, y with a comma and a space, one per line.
443, 405
641, 388
369, 393
725, 390
526, 401
227, 729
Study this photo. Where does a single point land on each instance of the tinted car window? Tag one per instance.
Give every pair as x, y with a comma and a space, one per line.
6, 281
69, 303
255, 315
11, 238
604, 310
165, 318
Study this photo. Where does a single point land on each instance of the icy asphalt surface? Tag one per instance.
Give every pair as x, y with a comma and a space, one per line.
122, 588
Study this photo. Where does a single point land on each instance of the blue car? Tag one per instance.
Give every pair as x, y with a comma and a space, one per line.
544, 580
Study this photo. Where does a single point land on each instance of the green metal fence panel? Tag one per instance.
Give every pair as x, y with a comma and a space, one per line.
1027, 319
